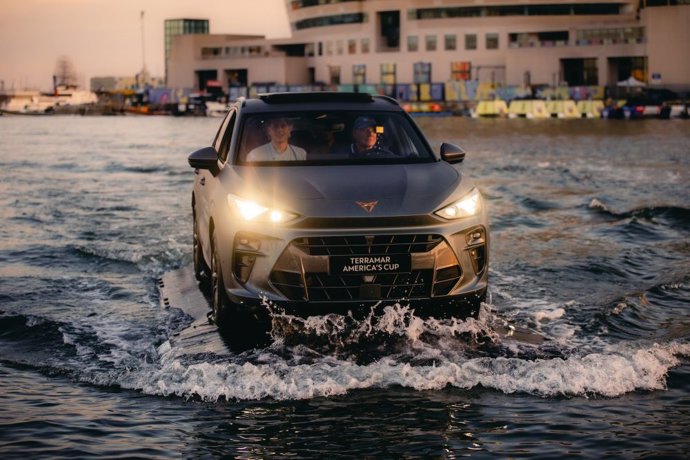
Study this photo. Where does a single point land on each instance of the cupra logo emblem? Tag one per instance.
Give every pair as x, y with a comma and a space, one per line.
368, 206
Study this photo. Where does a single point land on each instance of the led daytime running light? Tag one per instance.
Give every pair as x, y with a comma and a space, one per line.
467, 206
253, 212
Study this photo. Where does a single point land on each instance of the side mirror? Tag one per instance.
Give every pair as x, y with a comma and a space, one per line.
206, 158
452, 153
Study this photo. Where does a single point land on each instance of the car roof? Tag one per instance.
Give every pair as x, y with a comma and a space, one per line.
286, 102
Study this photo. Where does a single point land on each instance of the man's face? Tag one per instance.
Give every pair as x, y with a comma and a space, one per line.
279, 130
365, 138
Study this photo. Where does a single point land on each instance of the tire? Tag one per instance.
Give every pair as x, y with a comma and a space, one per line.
241, 330
201, 268
219, 298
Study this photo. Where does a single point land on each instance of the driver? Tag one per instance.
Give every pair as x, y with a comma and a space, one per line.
278, 130
365, 137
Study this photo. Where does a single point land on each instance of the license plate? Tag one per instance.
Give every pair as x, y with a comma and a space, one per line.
369, 264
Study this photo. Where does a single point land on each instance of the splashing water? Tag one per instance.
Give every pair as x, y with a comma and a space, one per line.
334, 354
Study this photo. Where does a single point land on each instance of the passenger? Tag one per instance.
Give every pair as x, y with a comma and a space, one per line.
325, 139
278, 131
365, 136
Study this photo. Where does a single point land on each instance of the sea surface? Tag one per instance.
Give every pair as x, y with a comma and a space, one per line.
582, 350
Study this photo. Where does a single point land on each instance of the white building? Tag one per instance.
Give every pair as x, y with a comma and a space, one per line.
396, 42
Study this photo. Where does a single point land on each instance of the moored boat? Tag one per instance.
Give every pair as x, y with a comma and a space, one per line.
27, 102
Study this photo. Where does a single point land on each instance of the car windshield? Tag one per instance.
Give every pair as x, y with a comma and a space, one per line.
330, 137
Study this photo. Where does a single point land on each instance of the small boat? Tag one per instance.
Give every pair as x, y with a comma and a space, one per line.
562, 109
38, 103
216, 109
493, 108
590, 108
528, 108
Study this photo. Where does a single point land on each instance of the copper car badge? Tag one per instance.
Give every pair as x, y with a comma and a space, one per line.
368, 206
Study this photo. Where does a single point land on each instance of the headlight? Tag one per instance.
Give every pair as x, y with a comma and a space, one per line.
469, 205
254, 212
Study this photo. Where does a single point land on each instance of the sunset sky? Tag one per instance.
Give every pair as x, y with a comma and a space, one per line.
104, 37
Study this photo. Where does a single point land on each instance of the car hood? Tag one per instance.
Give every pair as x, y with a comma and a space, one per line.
398, 189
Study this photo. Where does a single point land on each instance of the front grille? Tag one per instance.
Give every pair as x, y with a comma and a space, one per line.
365, 245
325, 287
301, 272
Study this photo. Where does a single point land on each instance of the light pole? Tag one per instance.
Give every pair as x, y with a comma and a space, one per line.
143, 51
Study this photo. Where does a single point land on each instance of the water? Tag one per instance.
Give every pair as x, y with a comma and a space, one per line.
589, 266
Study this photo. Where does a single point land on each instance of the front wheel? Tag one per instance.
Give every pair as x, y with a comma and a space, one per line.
219, 297
242, 330
201, 269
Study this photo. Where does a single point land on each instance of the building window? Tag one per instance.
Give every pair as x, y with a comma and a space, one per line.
578, 72
334, 74
460, 70
388, 31
422, 72
431, 42
359, 74
535, 39
626, 35
492, 41
351, 46
388, 74
450, 42
320, 49
329, 48
297, 4
309, 49
339, 47
470, 41
351, 18
412, 44
365, 45
564, 9
210, 52
236, 77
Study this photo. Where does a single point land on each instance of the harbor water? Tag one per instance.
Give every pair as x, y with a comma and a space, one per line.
582, 350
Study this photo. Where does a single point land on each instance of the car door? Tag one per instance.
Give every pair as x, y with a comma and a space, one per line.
207, 182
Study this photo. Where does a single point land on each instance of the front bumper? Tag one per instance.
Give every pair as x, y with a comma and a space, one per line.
460, 306
289, 267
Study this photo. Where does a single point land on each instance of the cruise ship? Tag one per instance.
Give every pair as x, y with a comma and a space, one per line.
447, 49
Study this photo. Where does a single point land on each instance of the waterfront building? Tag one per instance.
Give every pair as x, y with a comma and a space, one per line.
399, 44
175, 27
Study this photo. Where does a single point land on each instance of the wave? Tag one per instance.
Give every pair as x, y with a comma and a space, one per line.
325, 359
97, 347
675, 214
108, 254
410, 352
533, 204
526, 220
115, 209
657, 313
136, 169
32, 340
144, 258
333, 355
139, 169
618, 371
